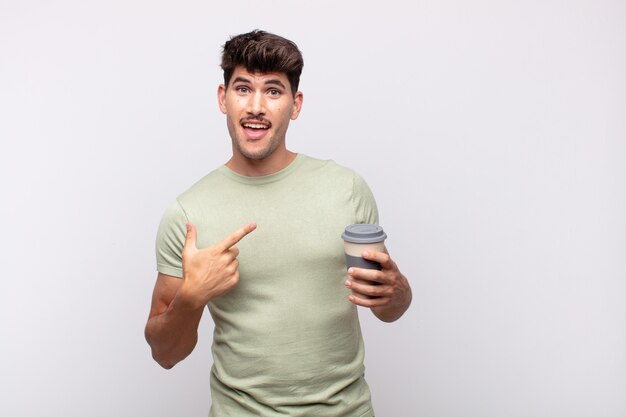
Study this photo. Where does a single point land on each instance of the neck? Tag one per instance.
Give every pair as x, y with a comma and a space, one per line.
260, 167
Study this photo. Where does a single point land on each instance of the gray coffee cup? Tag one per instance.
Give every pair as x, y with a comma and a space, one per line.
358, 238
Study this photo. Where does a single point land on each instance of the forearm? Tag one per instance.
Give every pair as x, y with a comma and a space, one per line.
173, 334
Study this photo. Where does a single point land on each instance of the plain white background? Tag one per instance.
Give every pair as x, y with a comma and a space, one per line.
492, 133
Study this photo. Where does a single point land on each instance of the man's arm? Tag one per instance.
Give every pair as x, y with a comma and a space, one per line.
172, 328
177, 304
388, 288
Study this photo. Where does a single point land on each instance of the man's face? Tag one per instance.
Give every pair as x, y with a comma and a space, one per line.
258, 108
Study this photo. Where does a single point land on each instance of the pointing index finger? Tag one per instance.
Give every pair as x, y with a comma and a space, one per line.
236, 236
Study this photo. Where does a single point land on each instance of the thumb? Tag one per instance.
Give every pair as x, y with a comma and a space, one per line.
191, 237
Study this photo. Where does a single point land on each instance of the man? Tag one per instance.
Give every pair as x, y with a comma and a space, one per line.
287, 340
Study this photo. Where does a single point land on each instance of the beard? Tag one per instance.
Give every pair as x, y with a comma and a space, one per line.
270, 144
259, 153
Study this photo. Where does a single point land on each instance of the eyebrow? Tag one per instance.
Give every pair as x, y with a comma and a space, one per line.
241, 79
276, 82
272, 81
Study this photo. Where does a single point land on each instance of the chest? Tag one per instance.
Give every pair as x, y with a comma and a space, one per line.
298, 225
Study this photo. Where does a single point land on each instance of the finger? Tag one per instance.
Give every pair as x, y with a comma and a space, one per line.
191, 237
228, 255
231, 267
368, 302
233, 251
382, 258
236, 236
373, 275
369, 289
228, 284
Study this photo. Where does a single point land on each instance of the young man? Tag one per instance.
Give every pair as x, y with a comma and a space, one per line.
287, 339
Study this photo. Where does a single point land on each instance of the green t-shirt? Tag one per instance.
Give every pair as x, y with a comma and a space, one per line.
287, 341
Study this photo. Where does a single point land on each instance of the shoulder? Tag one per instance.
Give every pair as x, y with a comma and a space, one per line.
334, 176
328, 168
210, 183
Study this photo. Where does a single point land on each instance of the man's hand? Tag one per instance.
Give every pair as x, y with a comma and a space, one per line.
210, 272
386, 292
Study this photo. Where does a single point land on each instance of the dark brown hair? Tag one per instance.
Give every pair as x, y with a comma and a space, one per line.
260, 51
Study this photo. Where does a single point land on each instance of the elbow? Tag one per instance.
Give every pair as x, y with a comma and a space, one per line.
163, 359
163, 362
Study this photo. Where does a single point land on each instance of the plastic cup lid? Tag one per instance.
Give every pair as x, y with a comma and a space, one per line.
364, 233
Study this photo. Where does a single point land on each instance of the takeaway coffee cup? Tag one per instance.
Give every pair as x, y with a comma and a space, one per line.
358, 238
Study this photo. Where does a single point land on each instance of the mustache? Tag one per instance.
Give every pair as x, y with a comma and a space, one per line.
256, 119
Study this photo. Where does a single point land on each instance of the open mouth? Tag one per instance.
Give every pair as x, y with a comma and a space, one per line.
256, 124
255, 129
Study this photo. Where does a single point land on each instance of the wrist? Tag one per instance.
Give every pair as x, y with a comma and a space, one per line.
186, 298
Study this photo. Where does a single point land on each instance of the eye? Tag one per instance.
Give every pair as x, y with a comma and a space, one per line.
242, 89
274, 92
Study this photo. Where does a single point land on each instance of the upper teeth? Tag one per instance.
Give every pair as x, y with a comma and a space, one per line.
255, 126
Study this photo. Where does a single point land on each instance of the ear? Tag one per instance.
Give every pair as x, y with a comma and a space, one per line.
221, 97
297, 105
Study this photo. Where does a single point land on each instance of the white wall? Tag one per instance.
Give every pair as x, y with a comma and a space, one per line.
492, 133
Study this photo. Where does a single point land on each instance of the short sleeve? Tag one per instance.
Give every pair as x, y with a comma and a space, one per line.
170, 241
364, 202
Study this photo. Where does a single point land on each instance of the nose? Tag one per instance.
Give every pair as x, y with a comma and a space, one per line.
256, 104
